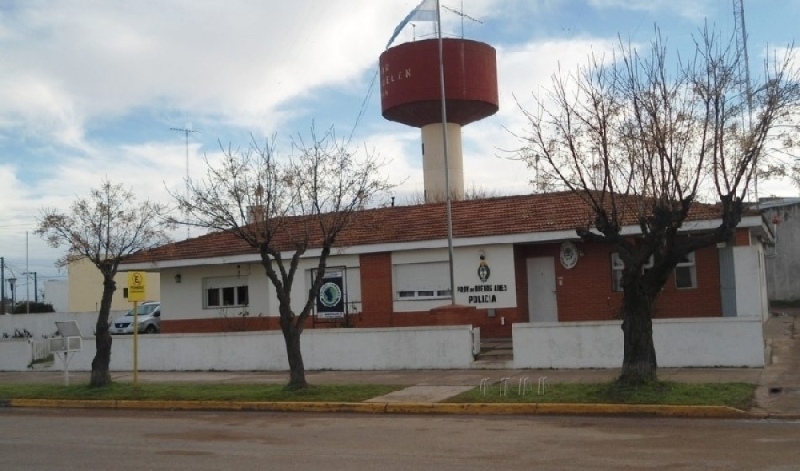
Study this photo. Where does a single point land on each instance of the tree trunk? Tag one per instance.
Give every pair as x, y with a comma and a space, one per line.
102, 358
297, 371
639, 361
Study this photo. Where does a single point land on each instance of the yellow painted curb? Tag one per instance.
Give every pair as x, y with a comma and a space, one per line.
460, 408
399, 408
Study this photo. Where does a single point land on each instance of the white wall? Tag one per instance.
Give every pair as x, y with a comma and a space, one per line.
184, 300
466, 260
783, 263
703, 342
56, 293
706, 342
44, 323
341, 349
751, 289
15, 354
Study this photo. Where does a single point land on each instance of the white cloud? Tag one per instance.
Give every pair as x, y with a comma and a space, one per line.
72, 61
691, 9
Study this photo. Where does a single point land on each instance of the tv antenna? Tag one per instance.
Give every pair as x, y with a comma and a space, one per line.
744, 67
186, 132
462, 15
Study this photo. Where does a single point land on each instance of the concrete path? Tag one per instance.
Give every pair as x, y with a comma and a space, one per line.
779, 384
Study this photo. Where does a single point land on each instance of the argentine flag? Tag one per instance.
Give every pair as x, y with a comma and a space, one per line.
425, 11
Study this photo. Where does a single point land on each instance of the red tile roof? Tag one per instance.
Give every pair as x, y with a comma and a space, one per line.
521, 214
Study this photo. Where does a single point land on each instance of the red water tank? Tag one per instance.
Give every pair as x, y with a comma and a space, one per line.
410, 90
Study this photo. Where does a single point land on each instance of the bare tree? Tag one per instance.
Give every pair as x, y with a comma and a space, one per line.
105, 228
642, 143
282, 208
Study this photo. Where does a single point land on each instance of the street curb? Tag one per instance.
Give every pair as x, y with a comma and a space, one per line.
439, 408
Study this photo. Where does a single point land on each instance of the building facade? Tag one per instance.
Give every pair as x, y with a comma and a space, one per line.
85, 287
515, 260
783, 258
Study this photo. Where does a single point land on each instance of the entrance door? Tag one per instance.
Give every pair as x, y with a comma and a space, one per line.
542, 305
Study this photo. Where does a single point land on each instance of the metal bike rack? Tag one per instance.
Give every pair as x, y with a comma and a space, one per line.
504, 386
524, 384
542, 384
484, 386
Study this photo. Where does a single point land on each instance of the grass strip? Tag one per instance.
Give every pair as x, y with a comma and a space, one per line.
197, 392
738, 395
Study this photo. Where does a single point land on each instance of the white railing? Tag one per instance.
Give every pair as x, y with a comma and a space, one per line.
40, 350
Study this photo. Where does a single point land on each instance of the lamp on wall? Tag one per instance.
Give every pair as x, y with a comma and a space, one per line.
178, 278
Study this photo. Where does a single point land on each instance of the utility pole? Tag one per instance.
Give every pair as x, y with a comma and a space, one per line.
35, 285
11, 282
3, 284
186, 131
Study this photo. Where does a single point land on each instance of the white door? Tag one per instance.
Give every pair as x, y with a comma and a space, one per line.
542, 305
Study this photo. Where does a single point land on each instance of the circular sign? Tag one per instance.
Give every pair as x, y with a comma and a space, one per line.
569, 255
483, 270
330, 294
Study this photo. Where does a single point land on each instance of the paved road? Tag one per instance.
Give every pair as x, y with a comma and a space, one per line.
64, 440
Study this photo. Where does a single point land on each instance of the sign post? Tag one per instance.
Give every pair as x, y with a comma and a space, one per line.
137, 288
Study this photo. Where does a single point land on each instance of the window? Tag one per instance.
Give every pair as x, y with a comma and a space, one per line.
616, 272
225, 292
422, 281
617, 266
685, 272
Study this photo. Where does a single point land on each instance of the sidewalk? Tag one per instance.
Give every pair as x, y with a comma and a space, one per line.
777, 395
778, 390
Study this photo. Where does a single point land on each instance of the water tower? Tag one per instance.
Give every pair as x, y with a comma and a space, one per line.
411, 94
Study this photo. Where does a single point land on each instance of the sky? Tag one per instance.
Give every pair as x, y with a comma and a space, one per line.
91, 89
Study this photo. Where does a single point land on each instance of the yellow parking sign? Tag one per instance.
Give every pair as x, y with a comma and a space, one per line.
137, 286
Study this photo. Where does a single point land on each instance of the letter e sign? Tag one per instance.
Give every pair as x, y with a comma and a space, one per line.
137, 286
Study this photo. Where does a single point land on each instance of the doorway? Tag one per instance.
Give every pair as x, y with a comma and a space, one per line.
542, 304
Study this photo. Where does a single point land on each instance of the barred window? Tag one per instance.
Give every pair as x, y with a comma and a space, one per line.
686, 272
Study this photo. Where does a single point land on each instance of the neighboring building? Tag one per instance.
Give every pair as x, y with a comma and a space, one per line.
56, 293
516, 259
86, 287
783, 260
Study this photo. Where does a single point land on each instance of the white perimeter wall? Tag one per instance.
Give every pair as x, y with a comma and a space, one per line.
329, 349
706, 342
45, 323
709, 342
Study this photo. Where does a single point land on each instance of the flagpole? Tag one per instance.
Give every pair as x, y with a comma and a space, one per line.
448, 193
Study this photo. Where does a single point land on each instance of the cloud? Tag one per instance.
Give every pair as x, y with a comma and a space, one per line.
73, 61
690, 9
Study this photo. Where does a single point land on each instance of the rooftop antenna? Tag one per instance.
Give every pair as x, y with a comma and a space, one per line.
186, 131
741, 45
462, 15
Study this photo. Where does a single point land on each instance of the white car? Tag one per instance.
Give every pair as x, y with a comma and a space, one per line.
149, 320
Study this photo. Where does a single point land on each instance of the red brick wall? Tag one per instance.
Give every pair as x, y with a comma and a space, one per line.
584, 293
703, 301
742, 237
219, 324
